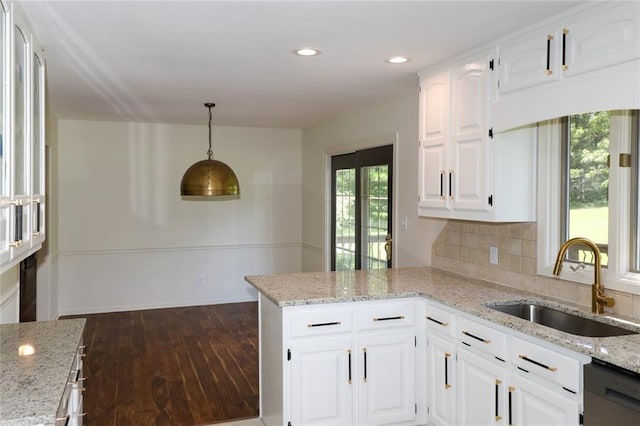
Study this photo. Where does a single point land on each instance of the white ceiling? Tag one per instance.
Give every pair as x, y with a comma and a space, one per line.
159, 61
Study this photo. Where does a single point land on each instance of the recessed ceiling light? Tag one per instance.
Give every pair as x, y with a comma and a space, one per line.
307, 51
398, 60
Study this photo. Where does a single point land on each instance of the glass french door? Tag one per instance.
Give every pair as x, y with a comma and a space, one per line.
361, 200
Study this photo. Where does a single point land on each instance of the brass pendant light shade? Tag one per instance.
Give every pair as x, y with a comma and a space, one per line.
209, 178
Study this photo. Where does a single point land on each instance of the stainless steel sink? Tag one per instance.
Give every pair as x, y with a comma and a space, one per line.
562, 321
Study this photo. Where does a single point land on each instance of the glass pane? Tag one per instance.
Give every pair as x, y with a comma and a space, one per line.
345, 219
36, 128
3, 166
375, 216
588, 190
19, 152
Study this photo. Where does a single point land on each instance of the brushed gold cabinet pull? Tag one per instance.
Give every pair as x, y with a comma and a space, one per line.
480, 339
323, 324
539, 364
364, 378
399, 317
498, 417
446, 370
548, 70
444, 324
511, 391
349, 358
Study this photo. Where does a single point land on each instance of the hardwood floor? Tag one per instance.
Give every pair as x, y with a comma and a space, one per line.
179, 366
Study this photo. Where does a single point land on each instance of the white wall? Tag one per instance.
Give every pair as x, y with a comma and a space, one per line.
364, 128
47, 278
126, 239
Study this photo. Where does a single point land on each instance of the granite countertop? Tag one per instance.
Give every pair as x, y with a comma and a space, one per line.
464, 293
31, 387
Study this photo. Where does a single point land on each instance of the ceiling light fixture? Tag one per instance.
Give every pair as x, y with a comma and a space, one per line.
398, 60
307, 51
209, 178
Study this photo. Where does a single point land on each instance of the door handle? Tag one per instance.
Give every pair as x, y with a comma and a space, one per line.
387, 246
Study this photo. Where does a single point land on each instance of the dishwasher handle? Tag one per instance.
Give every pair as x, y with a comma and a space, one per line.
622, 399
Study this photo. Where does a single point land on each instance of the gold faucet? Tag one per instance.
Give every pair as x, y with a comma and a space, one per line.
598, 299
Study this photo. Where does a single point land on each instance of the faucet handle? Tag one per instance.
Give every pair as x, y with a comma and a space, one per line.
606, 301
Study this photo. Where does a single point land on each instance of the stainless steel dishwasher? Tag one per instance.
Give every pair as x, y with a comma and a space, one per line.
611, 395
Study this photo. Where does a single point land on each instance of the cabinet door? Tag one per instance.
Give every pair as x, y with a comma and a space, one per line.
21, 194
535, 405
441, 378
37, 153
469, 137
433, 171
529, 60
321, 385
482, 396
387, 378
604, 36
5, 232
5, 174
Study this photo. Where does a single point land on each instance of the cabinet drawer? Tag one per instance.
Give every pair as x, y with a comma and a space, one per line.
482, 337
440, 321
386, 315
546, 363
319, 322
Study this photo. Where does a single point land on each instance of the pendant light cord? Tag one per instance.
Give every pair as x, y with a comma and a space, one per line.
210, 152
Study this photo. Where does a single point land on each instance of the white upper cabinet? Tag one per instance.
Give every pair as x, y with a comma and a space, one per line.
528, 61
465, 170
599, 39
22, 163
570, 65
453, 139
5, 145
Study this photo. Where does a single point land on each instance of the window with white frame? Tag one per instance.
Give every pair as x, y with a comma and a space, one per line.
588, 178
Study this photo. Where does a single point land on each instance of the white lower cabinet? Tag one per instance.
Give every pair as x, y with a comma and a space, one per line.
490, 375
342, 364
387, 388
536, 404
441, 383
321, 383
482, 384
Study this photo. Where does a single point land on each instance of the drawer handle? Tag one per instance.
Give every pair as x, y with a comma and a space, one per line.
399, 317
480, 339
323, 324
65, 419
539, 364
444, 324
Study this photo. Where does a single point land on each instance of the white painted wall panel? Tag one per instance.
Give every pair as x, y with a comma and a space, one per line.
356, 130
126, 240
143, 279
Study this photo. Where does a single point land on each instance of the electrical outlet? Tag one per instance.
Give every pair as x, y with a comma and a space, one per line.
200, 280
493, 255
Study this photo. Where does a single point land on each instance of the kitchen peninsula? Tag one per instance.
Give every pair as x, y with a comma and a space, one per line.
314, 326
41, 372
